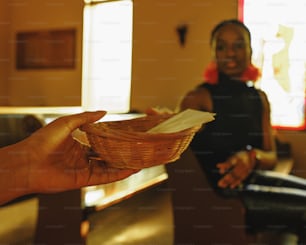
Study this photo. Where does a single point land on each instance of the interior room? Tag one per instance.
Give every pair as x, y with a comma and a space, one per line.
63, 57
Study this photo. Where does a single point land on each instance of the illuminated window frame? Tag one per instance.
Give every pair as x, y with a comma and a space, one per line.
281, 46
107, 55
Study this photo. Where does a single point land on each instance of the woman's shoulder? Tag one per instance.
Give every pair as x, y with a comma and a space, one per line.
199, 98
199, 91
264, 99
262, 93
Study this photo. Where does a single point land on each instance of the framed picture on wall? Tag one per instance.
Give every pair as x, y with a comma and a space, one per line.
46, 49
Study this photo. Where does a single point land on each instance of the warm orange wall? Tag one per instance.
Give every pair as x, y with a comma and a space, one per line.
163, 71
159, 62
46, 87
4, 55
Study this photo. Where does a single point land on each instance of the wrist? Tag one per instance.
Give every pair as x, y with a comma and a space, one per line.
14, 174
253, 155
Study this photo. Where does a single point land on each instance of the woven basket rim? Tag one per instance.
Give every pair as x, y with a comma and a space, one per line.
107, 132
115, 134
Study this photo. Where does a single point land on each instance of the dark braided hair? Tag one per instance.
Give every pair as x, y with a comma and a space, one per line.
227, 22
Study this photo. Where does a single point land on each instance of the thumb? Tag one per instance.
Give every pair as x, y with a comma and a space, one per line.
72, 122
61, 127
223, 167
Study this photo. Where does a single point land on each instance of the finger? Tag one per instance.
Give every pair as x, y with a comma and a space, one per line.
233, 176
235, 183
64, 126
224, 167
151, 111
225, 181
243, 170
72, 122
237, 179
239, 174
101, 174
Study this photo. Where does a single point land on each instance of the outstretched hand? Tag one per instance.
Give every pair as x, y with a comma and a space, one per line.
50, 160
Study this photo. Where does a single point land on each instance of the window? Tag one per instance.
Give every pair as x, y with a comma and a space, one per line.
107, 55
278, 42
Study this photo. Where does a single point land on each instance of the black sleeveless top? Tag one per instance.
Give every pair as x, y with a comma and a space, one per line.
238, 123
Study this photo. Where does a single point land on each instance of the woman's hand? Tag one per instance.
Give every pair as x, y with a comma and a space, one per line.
236, 169
50, 160
158, 111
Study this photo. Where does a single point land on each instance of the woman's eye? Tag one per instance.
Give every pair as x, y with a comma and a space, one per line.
234, 46
220, 47
239, 45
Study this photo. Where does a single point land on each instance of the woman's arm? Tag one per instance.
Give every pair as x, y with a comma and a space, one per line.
13, 172
240, 165
266, 157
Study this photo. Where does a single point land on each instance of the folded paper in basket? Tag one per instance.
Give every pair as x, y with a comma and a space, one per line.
183, 120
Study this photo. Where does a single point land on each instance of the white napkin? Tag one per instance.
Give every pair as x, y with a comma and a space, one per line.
183, 120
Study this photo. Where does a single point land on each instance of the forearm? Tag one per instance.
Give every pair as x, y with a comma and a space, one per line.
13, 173
265, 159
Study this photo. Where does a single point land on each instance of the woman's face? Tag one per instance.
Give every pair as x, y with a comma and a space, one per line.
231, 50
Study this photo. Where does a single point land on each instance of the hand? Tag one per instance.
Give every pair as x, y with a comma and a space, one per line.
158, 111
235, 169
57, 162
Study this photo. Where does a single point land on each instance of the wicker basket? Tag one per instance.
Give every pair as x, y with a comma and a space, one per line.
125, 144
